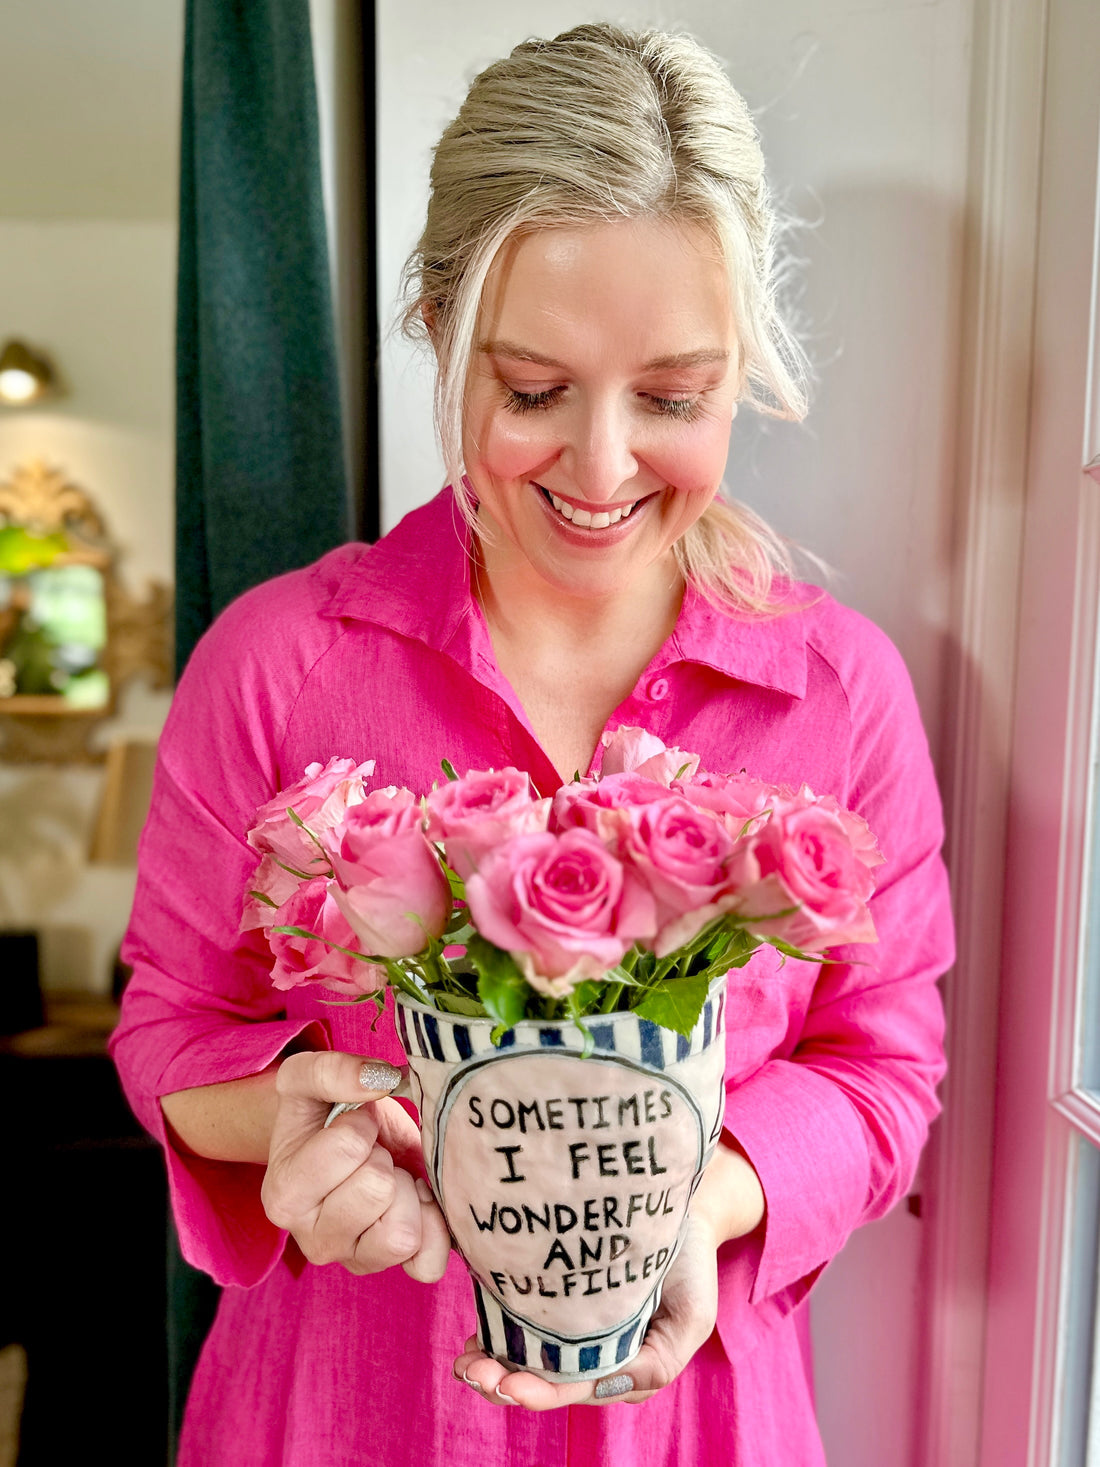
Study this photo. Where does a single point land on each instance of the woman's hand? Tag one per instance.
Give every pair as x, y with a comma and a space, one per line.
353, 1194
729, 1203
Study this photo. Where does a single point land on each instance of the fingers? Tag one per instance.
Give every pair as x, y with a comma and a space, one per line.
337, 1189
429, 1263
394, 1236
305, 1169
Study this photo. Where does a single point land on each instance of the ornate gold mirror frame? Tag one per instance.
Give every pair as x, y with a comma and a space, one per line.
49, 524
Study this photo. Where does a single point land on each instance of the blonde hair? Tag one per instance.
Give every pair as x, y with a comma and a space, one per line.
600, 124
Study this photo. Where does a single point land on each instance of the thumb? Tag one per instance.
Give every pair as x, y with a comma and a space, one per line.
310, 1082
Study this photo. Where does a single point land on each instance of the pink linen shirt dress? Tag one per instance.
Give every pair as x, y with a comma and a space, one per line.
382, 652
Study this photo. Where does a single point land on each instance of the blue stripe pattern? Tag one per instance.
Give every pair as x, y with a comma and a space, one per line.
626, 1339
484, 1332
653, 1050
514, 1341
434, 1034
431, 1028
603, 1037
524, 1344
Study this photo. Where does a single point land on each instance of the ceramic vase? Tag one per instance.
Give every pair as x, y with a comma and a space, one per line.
565, 1179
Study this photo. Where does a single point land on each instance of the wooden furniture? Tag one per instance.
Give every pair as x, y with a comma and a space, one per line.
83, 1242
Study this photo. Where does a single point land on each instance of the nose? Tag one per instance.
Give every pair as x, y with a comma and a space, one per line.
600, 455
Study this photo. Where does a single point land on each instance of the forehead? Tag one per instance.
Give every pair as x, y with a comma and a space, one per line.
654, 285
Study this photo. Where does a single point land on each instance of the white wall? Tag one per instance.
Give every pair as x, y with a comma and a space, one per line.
87, 272
863, 107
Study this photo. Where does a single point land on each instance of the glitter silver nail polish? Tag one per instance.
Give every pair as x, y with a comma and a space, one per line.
378, 1075
614, 1385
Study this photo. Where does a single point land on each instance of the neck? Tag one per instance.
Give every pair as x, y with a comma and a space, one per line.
545, 620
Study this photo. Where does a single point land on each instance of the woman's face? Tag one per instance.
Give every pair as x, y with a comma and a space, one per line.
603, 383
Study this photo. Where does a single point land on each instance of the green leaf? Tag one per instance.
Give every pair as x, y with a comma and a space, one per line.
501, 986
262, 896
458, 931
458, 1003
585, 998
454, 881
448, 769
676, 1004
793, 952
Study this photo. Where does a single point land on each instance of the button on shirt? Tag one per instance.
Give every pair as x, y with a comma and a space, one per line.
382, 652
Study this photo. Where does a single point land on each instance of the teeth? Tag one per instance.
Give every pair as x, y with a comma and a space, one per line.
586, 519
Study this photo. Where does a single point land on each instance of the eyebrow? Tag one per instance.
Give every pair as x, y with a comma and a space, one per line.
703, 357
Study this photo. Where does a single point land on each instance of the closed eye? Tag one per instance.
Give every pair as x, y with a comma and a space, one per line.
684, 409
529, 402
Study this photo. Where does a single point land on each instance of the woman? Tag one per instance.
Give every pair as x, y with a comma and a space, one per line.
595, 280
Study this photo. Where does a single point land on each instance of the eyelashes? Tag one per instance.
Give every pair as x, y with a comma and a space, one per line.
530, 402
681, 409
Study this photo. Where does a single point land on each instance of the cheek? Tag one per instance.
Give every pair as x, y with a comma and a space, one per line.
694, 461
512, 447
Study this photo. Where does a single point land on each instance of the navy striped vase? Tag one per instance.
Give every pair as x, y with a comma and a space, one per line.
565, 1179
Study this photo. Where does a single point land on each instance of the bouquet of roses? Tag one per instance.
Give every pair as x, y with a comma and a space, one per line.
633, 890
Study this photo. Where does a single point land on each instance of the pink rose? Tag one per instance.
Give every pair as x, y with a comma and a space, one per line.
562, 905
636, 751
599, 805
390, 885
273, 882
301, 960
805, 860
319, 799
739, 798
683, 855
472, 815
855, 827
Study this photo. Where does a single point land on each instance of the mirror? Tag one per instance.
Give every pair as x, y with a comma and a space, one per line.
70, 634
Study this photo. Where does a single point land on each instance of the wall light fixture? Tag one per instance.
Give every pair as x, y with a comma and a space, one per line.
25, 376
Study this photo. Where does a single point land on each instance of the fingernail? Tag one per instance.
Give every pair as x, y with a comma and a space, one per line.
614, 1385
424, 1192
378, 1075
508, 1400
473, 1384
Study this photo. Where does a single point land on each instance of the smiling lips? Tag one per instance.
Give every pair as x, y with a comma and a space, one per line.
584, 518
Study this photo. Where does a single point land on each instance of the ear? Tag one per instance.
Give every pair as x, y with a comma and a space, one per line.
428, 314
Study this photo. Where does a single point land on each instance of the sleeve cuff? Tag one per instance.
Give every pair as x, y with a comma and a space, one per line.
809, 1149
223, 1229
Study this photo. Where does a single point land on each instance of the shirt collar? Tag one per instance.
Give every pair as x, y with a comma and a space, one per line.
416, 582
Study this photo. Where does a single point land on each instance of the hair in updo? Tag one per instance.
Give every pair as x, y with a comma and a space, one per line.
596, 125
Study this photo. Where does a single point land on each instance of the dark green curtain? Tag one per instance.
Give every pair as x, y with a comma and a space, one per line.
260, 466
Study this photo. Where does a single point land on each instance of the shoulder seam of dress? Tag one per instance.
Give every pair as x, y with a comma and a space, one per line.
341, 632
822, 657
